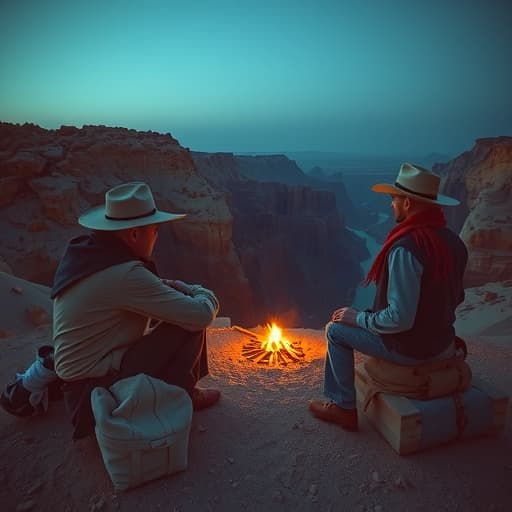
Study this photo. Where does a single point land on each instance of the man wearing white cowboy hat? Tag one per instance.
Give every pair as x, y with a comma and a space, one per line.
419, 276
108, 298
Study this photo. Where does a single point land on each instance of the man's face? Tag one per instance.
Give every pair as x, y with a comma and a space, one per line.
399, 206
145, 240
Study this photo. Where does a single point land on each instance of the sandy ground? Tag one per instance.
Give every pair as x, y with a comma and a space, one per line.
258, 449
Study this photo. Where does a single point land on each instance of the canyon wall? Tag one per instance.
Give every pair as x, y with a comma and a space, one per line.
48, 177
292, 243
266, 249
482, 180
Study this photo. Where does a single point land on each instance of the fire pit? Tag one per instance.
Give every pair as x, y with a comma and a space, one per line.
273, 349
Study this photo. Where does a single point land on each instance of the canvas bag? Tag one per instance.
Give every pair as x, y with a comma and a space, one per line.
142, 428
421, 382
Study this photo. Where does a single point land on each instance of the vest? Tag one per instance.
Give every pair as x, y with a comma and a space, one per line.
432, 331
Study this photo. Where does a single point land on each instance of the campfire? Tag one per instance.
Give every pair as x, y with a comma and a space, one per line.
273, 349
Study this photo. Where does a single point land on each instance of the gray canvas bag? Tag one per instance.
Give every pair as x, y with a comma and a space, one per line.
142, 428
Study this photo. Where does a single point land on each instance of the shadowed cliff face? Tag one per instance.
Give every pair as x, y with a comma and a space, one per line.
482, 180
264, 248
300, 261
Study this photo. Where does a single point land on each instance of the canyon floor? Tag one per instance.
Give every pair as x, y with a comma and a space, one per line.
259, 448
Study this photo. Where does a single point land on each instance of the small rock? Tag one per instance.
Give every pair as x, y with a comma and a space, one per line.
313, 489
230, 460
17, 289
26, 506
202, 428
376, 477
235, 485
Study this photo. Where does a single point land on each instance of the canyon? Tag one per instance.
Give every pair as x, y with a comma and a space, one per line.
267, 249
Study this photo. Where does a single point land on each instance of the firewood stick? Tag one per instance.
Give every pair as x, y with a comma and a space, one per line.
259, 359
281, 358
245, 331
295, 352
248, 353
290, 355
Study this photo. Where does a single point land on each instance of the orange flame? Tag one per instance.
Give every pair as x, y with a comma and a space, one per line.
275, 340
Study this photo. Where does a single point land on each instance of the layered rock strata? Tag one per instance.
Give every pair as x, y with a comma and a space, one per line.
264, 248
482, 180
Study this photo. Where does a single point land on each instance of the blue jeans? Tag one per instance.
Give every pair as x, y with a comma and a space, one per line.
342, 339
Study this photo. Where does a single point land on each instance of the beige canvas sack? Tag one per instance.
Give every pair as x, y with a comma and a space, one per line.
422, 382
142, 428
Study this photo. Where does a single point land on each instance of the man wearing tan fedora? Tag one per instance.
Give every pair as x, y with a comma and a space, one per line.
419, 277
114, 317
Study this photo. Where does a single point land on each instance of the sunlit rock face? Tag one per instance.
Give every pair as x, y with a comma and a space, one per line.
300, 261
48, 177
482, 180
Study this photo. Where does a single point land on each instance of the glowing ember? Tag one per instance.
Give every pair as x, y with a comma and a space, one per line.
274, 350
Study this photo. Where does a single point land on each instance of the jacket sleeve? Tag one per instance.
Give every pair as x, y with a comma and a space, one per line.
404, 286
145, 293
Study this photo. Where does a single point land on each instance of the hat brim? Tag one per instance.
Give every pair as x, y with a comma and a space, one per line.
388, 188
95, 219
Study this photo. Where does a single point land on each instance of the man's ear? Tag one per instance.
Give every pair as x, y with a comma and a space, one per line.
407, 203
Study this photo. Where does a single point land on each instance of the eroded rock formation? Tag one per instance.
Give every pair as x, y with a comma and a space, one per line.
264, 248
50, 176
300, 260
482, 180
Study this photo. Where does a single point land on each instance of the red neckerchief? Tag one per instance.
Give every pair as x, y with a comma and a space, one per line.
422, 227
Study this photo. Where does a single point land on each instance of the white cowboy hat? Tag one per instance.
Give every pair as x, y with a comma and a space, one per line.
129, 205
418, 182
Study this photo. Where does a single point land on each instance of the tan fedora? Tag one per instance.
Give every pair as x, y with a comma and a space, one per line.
129, 205
418, 182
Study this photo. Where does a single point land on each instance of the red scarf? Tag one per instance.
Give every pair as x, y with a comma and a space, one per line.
422, 228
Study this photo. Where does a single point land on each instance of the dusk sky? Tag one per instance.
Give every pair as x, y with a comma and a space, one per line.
368, 77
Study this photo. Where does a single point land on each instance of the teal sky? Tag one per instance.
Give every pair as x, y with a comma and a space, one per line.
369, 76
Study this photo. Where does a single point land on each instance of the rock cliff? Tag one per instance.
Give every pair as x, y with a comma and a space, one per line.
48, 177
280, 169
264, 248
300, 260
482, 180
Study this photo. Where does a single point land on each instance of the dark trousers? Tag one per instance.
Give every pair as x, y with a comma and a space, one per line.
169, 353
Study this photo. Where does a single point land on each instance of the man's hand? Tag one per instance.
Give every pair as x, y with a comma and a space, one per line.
345, 316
